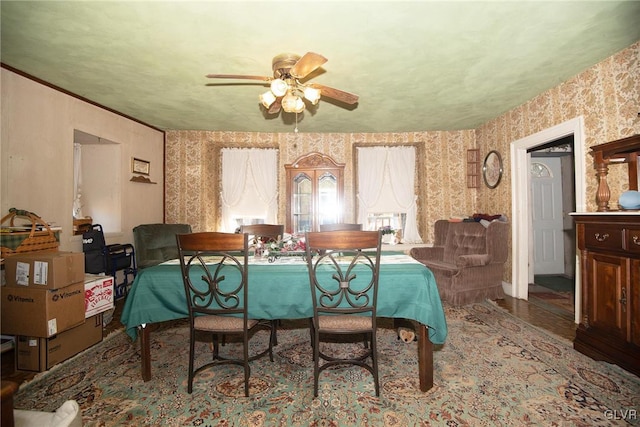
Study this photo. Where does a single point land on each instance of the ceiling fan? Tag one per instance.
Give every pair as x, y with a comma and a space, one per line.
287, 92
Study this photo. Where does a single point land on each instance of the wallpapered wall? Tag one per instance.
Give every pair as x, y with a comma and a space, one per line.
606, 95
193, 162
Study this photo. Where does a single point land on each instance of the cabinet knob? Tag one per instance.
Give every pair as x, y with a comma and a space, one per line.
636, 240
601, 237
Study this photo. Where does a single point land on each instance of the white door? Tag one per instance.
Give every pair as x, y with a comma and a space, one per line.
546, 198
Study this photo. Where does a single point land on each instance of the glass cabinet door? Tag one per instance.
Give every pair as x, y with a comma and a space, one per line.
328, 206
302, 203
314, 193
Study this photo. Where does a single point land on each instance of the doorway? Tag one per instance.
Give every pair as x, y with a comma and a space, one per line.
552, 184
522, 231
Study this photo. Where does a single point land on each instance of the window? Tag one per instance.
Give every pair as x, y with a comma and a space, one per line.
393, 220
386, 192
249, 187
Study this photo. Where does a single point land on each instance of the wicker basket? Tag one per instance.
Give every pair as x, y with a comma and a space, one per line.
39, 238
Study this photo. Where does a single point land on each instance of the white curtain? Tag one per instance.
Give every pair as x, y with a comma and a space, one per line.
249, 181
77, 180
397, 165
371, 164
235, 164
264, 165
401, 162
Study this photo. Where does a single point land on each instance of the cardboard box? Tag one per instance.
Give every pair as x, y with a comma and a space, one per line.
41, 312
98, 294
41, 354
44, 270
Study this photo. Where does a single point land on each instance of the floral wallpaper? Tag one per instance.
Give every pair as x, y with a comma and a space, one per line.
607, 95
193, 164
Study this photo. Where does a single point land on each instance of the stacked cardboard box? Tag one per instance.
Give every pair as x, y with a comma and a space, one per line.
45, 302
43, 294
40, 354
99, 294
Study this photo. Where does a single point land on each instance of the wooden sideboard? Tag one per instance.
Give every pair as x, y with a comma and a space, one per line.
609, 244
609, 328
626, 150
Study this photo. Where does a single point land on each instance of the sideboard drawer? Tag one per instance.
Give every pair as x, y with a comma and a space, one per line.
598, 236
632, 240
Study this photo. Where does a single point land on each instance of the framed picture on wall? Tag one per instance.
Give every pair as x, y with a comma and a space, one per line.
140, 166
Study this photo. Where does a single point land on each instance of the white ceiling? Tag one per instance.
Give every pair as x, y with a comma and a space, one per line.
416, 65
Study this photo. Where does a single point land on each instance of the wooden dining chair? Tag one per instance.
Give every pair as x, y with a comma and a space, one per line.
342, 226
267, 233
344, 269
215, 275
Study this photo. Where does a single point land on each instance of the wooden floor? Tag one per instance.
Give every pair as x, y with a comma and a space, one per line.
546, 317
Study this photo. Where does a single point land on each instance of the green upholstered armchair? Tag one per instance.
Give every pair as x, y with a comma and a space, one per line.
156, 243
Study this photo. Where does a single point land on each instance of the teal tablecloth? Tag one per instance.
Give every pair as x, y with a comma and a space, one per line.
280, 290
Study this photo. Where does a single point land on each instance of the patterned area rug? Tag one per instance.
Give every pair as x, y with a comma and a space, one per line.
494, 370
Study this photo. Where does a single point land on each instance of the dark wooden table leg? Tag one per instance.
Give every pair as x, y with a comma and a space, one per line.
425, 358
145, 352
8, 390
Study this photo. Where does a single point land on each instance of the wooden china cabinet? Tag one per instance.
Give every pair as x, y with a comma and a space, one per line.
609, 244
315, 191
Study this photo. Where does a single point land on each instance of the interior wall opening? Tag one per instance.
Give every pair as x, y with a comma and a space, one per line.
97, 181
522, 234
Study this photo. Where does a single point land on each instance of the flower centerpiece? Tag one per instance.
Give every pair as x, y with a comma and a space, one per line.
287, 245
389, 235
292, 243
259, 245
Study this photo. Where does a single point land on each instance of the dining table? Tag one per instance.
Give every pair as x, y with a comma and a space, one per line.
279, 288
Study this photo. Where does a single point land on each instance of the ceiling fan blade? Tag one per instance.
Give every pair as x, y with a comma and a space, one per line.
337, 94
275, 107
305, 65
239, 76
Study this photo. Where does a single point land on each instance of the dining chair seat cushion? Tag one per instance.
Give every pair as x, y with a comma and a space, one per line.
222, 323
344, 322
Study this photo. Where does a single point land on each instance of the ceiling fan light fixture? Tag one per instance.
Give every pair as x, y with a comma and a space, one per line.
292, 103
312, 94
267, 99
299, 105
279, 87
286, 90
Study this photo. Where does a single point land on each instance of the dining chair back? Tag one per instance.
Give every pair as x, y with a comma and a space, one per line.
266, 233
344, 269
342, 226
271, 232
215, 274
